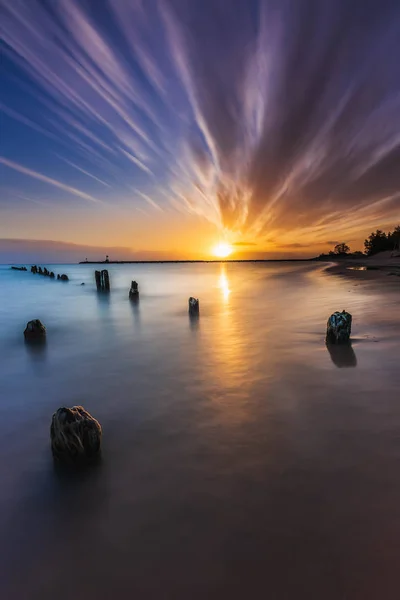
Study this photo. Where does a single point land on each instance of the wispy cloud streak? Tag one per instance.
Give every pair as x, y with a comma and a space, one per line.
45, 179
271, 120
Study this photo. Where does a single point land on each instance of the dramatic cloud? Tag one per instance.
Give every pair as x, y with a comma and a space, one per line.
273, 120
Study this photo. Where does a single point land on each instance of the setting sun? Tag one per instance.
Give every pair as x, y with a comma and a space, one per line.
222, 250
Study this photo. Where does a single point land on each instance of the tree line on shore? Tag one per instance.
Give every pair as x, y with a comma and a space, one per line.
377, 241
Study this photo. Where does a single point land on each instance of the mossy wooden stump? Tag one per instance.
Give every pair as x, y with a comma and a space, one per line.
338, 327
75, 436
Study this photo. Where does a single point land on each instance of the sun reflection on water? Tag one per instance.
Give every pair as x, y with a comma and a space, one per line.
223, 283
230, 357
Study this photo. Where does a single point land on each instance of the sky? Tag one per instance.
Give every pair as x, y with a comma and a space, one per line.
156, 129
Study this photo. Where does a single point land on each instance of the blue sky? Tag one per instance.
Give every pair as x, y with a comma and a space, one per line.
158, 122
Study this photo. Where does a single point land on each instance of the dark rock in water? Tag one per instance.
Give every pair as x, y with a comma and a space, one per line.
134, 291
40, 271
194, 306
46, 272
75, 435
58, 276
338, 328
64, 277
52, 275
34, 330
82, 284
18, 268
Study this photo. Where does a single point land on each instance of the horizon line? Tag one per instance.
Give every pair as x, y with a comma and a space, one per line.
130, 262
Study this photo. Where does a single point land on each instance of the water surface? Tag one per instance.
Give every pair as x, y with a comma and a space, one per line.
242, 458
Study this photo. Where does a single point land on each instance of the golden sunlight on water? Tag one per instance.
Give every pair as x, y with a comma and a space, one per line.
223, 283
229, 359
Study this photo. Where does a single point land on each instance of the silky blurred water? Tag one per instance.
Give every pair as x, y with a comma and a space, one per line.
241, 458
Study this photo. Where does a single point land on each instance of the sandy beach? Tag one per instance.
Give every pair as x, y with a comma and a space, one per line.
383, 268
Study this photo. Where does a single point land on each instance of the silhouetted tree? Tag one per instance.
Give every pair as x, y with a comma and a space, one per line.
394, 238
341, 248
376, 242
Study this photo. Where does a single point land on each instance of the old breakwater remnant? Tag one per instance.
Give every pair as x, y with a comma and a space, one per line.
75, 436
46, 273
102, 281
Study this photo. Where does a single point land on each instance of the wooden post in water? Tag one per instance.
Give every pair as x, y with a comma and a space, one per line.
134, 291
194, 306
106, 280
102, 281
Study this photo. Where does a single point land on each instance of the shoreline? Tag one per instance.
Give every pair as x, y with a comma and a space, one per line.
384, 269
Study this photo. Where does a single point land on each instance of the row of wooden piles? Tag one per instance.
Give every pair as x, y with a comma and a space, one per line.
103, 285
46, 273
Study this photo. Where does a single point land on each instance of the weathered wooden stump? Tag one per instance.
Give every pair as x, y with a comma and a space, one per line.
194, 306
40, 271
34, 269
75, 436
34, 330
52, 275
98, 280
134, 291
338, 327
64, 277
102, 281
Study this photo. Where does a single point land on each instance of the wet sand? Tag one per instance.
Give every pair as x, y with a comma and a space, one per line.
383, 269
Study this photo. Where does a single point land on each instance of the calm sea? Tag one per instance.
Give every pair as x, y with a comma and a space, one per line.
241, 458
